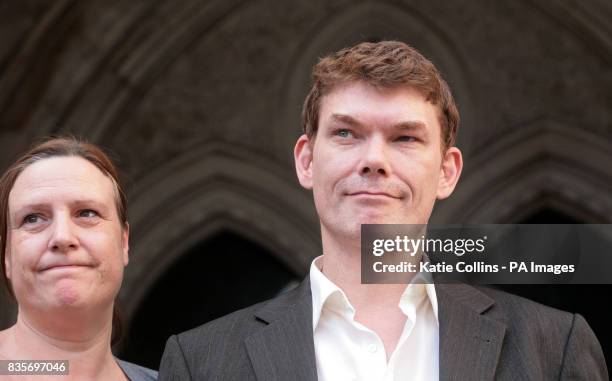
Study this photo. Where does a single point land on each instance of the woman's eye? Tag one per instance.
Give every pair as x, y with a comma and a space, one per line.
88, 213
31, 219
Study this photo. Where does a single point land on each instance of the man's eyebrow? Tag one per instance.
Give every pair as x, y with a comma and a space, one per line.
412, 125
346, 119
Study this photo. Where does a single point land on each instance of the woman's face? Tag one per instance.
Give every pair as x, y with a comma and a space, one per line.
66, 245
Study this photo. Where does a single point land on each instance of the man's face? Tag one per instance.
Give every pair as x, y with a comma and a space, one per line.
377, 159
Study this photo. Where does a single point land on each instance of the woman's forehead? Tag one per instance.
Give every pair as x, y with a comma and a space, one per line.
60, 178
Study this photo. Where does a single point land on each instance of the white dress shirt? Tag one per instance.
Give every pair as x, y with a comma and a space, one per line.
347, 350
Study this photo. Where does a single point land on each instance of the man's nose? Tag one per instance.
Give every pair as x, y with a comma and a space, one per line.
63, 236
375, 160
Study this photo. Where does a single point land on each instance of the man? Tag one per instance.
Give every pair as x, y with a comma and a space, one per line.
378, 147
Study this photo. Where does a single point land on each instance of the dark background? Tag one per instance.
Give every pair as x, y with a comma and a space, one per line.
199, 103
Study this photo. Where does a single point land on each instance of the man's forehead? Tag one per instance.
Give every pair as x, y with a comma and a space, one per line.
364, 89
359, 103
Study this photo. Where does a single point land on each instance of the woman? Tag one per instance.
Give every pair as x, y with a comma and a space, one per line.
64, 244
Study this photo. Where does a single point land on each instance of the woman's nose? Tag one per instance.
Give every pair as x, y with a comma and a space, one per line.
63, 237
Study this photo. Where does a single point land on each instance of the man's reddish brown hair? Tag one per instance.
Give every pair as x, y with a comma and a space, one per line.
382, 64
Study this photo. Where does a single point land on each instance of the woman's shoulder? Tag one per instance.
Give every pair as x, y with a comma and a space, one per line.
137, 372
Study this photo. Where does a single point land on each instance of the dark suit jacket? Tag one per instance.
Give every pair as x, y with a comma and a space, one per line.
484, 335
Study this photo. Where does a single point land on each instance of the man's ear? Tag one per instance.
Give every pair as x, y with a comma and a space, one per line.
302, 153
452, 164
126, 244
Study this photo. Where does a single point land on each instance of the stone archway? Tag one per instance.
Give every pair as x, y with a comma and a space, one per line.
208, 190
568, 165
217, 276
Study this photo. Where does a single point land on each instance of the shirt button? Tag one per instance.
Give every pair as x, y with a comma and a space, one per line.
372, 348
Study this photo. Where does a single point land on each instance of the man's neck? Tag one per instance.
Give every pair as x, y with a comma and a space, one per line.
376, 305
341, 263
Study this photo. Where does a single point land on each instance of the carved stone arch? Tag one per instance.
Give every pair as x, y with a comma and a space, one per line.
204, 191
568, 165
140, 41
588, 21
566, 207
359, 22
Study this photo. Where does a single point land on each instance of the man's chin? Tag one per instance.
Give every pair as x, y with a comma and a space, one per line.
381, 219
352, 230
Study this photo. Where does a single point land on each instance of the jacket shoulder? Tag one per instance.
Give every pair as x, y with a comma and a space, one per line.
555, 342
520, 312
227, 333
212, 349
233, 327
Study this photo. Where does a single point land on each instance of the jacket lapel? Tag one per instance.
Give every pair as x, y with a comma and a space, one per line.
470, 341
284, 348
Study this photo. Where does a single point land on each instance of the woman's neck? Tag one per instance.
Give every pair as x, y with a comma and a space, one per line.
84, 343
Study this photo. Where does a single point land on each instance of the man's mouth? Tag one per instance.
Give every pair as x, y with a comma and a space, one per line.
373, 194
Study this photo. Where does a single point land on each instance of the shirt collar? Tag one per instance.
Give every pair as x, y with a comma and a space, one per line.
322, 289
325, 294
421, 283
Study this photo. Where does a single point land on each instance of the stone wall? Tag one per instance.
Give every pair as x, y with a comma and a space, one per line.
200, 103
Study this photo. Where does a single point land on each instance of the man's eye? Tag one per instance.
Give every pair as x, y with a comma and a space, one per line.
344, 133
406, 138
88, 213
31, 219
